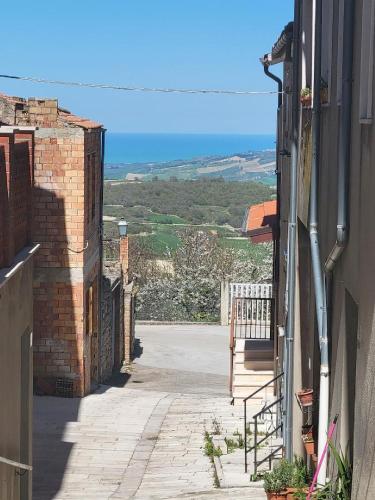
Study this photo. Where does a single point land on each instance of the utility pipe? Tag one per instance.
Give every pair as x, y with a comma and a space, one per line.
344, 138
275, 79
318, 276
292, 228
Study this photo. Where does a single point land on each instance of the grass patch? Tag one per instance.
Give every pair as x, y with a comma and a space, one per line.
166, 219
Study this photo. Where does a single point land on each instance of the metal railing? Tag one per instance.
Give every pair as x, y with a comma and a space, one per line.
16, 465
252, 317
275, 430
248, 290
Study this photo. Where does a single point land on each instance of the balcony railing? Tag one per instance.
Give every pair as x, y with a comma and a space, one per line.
252, 317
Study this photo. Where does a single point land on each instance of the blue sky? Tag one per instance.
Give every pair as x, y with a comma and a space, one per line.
156, 43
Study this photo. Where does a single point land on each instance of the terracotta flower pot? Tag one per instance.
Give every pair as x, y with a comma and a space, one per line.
292, 491
305, 397
276, 496
306, 101
309, 447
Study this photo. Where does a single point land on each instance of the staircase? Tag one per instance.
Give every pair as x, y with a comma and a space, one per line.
251, 348
250, 375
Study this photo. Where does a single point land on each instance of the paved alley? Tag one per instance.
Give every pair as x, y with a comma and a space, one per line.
141, 436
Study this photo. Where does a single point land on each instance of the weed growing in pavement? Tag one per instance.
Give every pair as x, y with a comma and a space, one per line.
216, 427
209, 448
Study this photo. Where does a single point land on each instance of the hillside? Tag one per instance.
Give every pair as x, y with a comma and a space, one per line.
158, 210
257, 166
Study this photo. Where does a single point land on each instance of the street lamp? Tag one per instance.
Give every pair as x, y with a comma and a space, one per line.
122, 226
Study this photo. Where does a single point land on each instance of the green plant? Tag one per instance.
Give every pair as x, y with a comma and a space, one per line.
210, 449
279, 478
231, 444
300, 474
339, 488
306, 92
216, 426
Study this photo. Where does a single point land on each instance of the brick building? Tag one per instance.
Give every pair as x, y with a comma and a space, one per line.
16, 311
67, 201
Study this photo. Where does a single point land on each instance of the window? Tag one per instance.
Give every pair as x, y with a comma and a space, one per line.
367, 62
327, 28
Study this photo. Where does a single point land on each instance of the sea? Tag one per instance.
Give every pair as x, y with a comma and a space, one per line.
158, 148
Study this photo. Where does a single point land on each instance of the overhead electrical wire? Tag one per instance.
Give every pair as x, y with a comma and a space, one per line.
138, 89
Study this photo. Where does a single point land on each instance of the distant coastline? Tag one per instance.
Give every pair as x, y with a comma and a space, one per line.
126, 148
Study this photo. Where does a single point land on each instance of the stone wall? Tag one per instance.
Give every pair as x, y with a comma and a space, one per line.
112, 338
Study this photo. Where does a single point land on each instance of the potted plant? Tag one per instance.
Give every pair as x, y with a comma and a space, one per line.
306, 97
277, 481
307, 431
305, 397
309, 443
299, 480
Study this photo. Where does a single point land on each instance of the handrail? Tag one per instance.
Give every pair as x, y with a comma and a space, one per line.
263, 410
263, 387
255, 417
231, 348
17, 465
265, 437
273, 452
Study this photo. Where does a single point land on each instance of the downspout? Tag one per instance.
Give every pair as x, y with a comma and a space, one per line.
101, 244
318, 276
276, 243
344, 138
277, 80
292, 228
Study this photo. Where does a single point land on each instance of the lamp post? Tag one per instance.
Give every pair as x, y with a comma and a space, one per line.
127, 294
122, 227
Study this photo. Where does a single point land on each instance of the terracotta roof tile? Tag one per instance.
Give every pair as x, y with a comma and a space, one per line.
260, 216
78, 120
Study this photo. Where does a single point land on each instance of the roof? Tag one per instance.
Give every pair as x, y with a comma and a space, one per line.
63, 115
260, 219
68, 117
280, 48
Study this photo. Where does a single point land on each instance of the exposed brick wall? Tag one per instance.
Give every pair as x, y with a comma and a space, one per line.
58, 338
66, 210
16, 156
59, 197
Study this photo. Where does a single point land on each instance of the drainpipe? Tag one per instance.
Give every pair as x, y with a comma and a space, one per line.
344, 139
277, 80
276, 243
292, 228
318, 276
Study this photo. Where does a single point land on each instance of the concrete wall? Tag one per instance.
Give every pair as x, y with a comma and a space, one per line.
16, 324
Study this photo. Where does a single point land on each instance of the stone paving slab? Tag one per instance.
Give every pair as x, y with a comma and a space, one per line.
143, 440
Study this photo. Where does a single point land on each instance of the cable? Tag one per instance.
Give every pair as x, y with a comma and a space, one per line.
138, 89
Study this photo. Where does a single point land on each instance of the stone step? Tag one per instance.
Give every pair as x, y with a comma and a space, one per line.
242, 391
244, 379
239, 368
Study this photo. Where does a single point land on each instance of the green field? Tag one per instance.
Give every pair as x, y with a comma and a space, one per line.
158, 211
